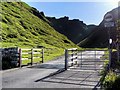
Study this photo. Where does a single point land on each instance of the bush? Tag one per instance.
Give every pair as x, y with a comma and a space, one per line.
116, 84
109, 79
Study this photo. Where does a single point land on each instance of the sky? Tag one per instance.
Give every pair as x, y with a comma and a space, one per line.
88, 12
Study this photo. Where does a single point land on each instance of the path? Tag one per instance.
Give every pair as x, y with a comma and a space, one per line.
32, 77
25, 77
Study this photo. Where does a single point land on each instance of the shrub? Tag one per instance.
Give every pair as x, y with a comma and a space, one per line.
116, 84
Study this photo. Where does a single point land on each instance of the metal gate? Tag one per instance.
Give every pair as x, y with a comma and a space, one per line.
85, 59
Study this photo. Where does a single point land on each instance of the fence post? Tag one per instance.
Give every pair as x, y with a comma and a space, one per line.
20, 57
32, 56
72, 58
110, 51
42, 55
95, 59
76, 53
81, 59
66, 59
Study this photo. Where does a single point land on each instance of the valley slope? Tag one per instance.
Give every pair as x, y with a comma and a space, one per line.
25, 26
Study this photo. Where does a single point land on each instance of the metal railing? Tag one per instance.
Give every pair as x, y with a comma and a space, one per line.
85, 58
71, 57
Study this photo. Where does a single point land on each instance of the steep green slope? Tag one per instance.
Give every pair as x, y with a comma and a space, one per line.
24, 26
20, 25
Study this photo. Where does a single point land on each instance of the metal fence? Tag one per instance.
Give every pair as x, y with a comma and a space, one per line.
71, 57
85, 59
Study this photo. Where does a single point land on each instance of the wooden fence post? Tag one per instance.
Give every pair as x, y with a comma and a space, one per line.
32, 56
20, 57
66, 59
42, 55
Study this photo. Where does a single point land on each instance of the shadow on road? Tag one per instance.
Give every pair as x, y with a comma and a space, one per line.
52, 74
69, 83
81, 78
48, 66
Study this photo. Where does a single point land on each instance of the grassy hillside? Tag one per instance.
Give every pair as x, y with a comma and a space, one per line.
25, 27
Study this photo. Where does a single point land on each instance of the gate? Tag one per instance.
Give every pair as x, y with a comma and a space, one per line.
85, 59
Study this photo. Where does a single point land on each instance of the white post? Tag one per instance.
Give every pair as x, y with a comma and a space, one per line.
32, 56
42, 55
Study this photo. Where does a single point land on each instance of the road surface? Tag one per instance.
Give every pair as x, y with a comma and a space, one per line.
34, 77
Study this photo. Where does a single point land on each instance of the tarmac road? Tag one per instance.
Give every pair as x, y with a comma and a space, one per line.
33, 77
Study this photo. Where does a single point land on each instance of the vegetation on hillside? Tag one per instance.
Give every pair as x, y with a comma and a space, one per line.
20, 25
25, 27
111, 77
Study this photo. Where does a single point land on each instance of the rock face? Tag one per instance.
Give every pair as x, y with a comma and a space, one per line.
99, 36
74, 29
